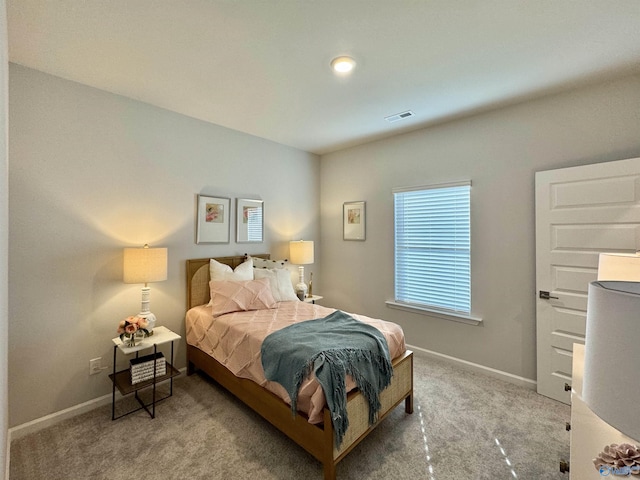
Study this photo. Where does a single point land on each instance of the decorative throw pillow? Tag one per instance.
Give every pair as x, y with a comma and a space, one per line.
280, 281
220, 271
238, 296
264, 263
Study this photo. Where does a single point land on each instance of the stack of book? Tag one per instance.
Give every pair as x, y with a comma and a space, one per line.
142, 367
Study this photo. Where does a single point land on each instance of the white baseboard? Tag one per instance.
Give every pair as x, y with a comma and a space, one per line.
20, 431
509, 377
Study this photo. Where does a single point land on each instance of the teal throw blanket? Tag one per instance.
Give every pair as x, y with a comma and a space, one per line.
330, 347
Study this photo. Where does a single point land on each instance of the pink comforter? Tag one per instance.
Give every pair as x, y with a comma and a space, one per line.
234, 340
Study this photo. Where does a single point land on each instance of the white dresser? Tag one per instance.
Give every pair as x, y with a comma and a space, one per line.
589, 434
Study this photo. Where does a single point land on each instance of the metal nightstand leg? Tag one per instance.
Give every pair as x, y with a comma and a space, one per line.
113, 394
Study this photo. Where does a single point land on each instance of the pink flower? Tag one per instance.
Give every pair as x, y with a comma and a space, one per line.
130, 325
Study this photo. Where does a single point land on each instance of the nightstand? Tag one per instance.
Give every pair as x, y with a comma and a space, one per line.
122, 379
589, 433
313, 298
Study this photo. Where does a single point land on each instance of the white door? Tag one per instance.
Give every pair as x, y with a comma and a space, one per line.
580, 212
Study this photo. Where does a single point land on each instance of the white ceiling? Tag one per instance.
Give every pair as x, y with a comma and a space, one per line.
262, 66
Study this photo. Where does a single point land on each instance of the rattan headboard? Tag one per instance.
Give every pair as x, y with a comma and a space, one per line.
198, 277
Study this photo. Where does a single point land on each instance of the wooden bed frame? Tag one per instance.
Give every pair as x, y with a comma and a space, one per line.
318, 440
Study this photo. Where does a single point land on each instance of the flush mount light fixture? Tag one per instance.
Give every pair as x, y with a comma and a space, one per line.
343, 64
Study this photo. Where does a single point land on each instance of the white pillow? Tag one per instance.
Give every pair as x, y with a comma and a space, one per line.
219, 272
280, 280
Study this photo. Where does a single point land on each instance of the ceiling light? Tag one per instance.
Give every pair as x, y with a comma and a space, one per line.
343, 64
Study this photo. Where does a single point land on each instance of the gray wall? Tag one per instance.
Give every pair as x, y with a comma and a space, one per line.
499, 151
4, 239
93, 172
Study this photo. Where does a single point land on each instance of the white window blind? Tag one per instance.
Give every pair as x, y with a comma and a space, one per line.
254, 224
433, 247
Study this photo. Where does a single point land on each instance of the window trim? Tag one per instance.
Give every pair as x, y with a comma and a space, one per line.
419, 309
426, 309
431, 187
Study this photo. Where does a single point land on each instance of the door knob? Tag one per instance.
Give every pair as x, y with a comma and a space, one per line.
546, 296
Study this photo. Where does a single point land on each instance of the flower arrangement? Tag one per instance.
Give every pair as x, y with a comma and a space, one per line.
623, 459
130, 327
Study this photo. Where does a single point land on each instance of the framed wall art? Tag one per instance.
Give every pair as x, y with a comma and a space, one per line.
249, 220
354, 221
213, 219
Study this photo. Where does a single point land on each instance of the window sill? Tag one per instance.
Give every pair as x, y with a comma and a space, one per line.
468, 319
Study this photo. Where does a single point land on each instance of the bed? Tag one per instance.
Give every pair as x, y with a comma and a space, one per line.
310, 428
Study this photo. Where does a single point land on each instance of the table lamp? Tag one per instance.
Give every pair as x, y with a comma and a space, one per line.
610, 385
301, 253
624, 267
145, 265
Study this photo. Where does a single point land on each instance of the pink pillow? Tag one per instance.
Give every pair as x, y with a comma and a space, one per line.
238, 296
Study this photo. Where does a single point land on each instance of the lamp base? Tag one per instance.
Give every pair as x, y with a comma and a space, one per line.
144, 310
301, 287
151, 320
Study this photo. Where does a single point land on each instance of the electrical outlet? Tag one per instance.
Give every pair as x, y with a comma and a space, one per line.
95, 366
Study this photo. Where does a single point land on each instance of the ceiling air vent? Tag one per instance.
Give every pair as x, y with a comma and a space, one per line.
399, 116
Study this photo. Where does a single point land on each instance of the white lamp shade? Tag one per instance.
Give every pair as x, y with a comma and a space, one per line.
611, 386
301, 252
145, 265
619, 266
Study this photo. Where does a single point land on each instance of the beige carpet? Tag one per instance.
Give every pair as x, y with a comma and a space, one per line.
465, 426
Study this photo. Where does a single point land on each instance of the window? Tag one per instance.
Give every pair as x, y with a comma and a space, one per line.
254, 224
433, 247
